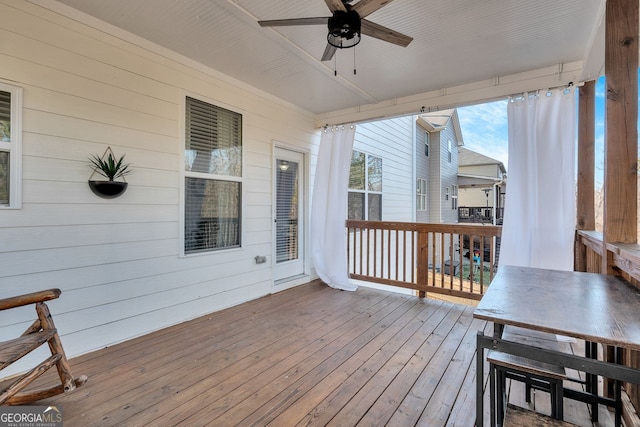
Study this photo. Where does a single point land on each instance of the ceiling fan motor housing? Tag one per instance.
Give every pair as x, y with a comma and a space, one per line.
344, 29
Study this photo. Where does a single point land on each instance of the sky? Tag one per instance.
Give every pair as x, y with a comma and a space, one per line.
485, 130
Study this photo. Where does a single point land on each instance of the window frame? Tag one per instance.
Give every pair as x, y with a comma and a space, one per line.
427, 143
449, 151
421, 196
366, 191
184, 174
14, 147
454, 197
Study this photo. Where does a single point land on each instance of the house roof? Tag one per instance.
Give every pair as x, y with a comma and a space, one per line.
468, 157
462, 51
437, 121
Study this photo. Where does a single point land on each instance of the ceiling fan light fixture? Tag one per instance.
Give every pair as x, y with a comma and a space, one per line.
344, 29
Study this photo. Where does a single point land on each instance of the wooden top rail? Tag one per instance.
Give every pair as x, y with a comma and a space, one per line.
30, 298
625, 256
478, 230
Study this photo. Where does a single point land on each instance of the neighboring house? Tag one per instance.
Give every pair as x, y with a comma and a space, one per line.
482, 186
438, 136
381, 185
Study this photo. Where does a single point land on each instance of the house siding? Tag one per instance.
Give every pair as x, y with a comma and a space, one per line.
442, 175
481, 170
476, 197
422, 169
118, 261
392, 141
434, 188
448, 172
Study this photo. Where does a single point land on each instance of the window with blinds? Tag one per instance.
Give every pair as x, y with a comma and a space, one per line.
213, 177
10, 140
365, 187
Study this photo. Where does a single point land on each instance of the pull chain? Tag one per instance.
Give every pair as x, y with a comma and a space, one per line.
354, 61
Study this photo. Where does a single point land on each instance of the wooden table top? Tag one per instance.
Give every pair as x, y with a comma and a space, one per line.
589, 306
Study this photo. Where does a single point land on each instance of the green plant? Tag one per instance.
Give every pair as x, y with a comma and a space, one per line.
110, 168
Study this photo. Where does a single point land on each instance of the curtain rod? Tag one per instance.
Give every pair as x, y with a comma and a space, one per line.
450, 106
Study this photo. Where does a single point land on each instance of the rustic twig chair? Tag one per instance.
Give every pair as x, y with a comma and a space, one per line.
41, 331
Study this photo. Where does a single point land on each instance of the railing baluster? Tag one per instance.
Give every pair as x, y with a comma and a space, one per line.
375, 251
404, 255
397, 253
433, 258
452, 264
414, 273
461, 258
442, 260
481, 269
389, 253
368, 250
361, 250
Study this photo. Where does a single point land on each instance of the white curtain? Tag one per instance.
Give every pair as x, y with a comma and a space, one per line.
329, 208
540, 207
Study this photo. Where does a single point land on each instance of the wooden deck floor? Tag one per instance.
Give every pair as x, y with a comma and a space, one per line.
307, 356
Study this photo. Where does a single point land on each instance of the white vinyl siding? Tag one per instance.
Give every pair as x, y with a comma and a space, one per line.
449, 174
118, 262
423, 169
392, 141
10, 146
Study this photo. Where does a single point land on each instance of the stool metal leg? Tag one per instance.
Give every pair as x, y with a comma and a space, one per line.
492, 394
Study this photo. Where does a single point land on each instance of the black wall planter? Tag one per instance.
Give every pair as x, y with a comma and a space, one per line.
108, 189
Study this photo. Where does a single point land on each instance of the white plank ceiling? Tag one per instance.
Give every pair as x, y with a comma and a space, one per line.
456, 42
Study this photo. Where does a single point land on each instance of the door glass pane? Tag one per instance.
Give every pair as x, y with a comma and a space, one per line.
286, 211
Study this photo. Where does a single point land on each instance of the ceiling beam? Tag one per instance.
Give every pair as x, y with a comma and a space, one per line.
456, 96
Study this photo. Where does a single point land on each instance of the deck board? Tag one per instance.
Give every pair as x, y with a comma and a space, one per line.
308, 356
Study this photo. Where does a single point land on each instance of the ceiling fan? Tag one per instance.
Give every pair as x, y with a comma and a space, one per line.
346, 25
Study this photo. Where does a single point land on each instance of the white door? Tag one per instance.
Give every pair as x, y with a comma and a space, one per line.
289, 214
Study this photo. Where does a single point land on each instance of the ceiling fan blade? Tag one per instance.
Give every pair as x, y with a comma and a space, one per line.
334, 5
383, 33
367, 7
329, 51
293, 21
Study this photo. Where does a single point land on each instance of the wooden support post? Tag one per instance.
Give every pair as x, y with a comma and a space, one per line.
621, 138
621, 135
586, 219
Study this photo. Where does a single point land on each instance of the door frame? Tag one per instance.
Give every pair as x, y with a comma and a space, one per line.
305, 253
